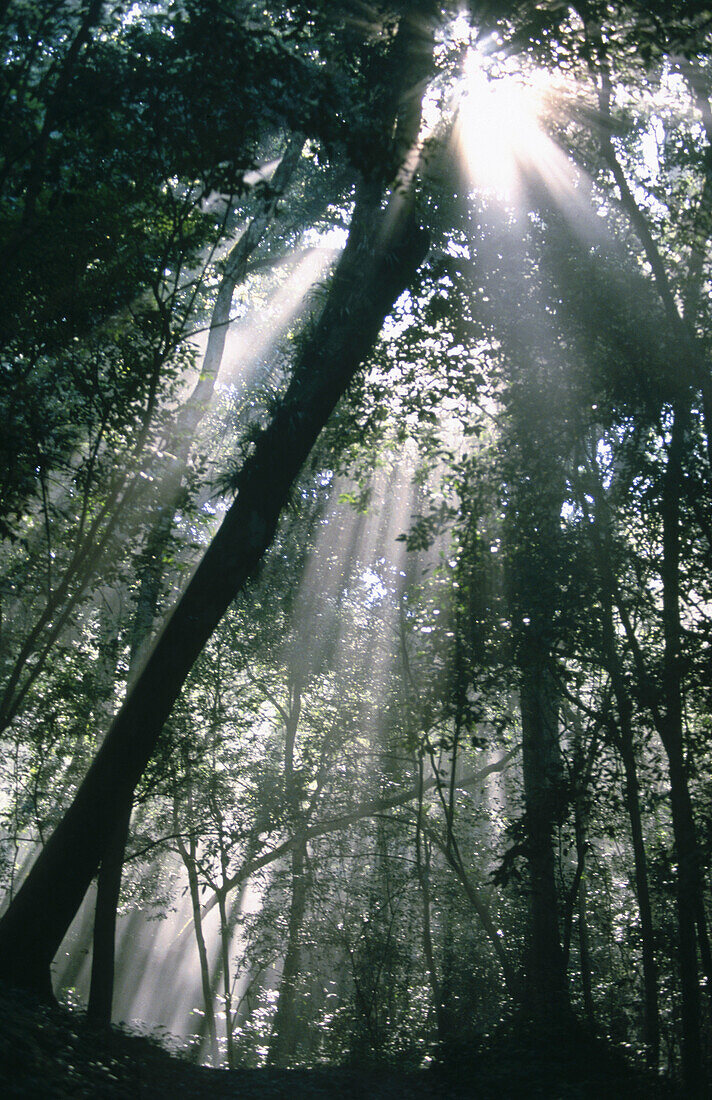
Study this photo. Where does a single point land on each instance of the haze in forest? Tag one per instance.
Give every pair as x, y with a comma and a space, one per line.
356, 528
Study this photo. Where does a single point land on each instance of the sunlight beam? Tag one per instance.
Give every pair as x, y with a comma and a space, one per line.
502, 144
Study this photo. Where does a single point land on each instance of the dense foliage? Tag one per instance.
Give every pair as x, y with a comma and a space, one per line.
375, 339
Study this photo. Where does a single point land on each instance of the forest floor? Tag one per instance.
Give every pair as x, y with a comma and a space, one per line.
53, 1053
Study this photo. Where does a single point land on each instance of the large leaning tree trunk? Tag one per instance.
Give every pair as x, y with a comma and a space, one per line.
179, 445
384, 250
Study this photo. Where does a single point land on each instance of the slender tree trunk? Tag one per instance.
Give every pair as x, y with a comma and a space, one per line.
283, 1042
688, 870
692, 367
585, 958
642, 889
108, 892
188, 857
546, 988
422, 862
626, 748
451, 853
583, 762
687, 886
667, 715
188, 854
108, 880
227, 980
450, 1008
584, 950
225, 931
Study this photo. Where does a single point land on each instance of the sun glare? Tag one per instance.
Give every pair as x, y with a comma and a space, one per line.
500, 134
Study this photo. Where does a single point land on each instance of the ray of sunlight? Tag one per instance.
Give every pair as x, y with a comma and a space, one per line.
501, 139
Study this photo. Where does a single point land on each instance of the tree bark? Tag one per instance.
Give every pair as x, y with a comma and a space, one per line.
600, 532
227, 980
632, 801
546, 994
283, 1041
422, 863
584, 948
384, 250
103, 959
188, 855
671, 732
642, 889
585, 957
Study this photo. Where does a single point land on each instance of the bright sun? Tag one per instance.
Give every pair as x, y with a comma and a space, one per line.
499, 131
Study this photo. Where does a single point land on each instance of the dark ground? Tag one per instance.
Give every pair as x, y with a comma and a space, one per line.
53, 1053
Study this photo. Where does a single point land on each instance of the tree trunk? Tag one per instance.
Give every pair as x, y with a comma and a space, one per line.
179, 446
671, 732
422, 863
626, 747
283, 1042
188, 855
384, 250
691, 367
451, 853
642, 889
585, 957
101, 990
546, 993
584, 950
284, 1028
667, 715
227, 980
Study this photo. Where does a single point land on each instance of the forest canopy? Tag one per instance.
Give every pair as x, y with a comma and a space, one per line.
356, 523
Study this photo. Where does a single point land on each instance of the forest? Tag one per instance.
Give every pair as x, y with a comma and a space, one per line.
356, 527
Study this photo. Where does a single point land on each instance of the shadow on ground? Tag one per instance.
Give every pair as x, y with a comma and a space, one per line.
52, 1052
